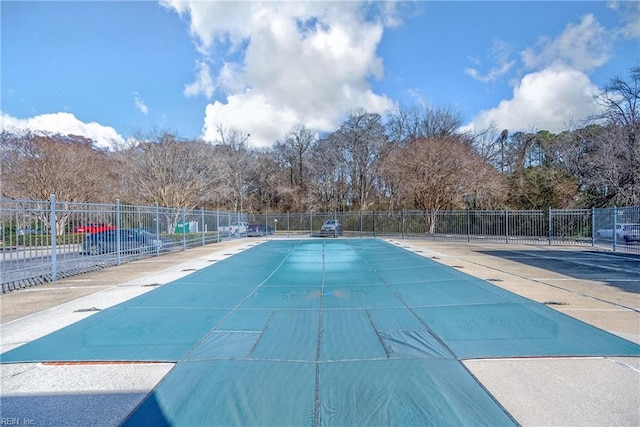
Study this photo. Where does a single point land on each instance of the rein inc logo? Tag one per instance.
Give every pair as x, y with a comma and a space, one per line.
9, 421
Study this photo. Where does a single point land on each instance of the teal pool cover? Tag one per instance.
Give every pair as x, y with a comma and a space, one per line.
322, 332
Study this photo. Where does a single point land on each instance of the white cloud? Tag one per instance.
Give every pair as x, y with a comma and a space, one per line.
500, 53
140, 105
288, 62
216, 21
267, 123
550, 99
584, 46
629, 12
228, 79
557, 92
65, 124
203, 84
249, 113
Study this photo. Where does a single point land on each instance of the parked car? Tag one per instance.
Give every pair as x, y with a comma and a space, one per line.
163, 242
259, 230
131, 240
94, 227
331, 227
236, 228
629, 232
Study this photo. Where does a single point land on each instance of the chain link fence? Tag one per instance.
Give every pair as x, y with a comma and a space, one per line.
45, 240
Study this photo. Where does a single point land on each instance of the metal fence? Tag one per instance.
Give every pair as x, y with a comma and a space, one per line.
45, 240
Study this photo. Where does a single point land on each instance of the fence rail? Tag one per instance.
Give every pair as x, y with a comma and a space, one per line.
45, 240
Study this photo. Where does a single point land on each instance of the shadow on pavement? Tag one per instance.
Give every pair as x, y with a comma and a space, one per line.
618, 270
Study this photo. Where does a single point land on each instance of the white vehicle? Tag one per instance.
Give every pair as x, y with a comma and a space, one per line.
623, 232
331, 227
236, 228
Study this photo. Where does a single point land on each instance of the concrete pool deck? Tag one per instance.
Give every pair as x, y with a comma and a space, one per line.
535, 391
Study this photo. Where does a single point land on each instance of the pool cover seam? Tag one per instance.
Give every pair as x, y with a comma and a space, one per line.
255, 344
427, 327
444, 344
316, 408
202, 339
233, 310
373, 326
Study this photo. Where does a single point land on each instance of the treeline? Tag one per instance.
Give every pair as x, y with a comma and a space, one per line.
416, 157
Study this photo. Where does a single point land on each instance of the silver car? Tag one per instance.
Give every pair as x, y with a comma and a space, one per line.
331, 227
626, 232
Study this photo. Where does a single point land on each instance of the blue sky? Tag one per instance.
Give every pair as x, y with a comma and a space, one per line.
110, 70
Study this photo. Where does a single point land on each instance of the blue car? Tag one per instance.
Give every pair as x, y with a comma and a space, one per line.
131, 240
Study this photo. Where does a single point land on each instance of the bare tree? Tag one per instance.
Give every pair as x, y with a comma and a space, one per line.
171, 172
264, 191
329, 185
621, 102
408, 123
71, 167
234, 161
294, 155
436, 173
235, 164
35, 166
604, 156
602, 163
232, 137
487, 143
361, 141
